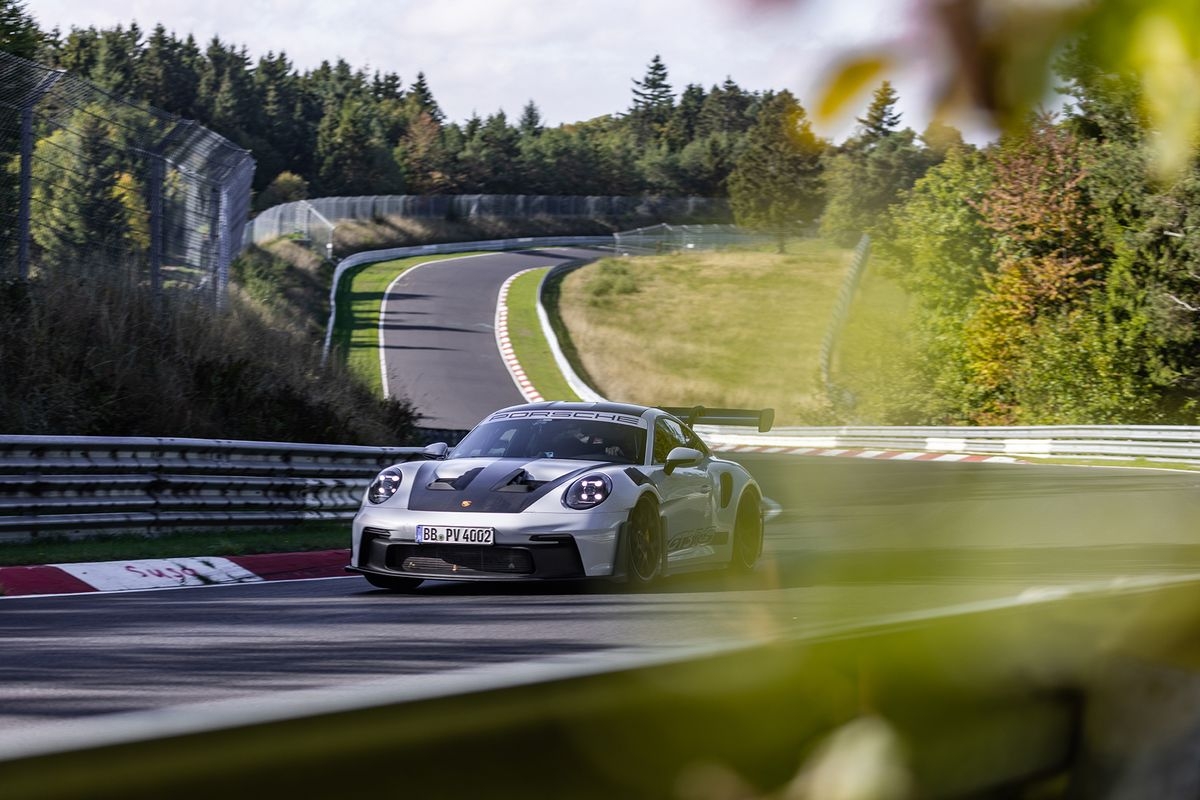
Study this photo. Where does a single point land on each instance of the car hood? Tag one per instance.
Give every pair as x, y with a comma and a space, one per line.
491, 485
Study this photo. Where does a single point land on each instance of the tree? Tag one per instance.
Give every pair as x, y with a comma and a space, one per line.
167, 74
880, 121
681, 128
1050, 251
423, 157
19, 34
776, 184
530, 124
943, 252
81, 223
352, 157
653, 102
726, 109
490, 161
863, 184
419, 100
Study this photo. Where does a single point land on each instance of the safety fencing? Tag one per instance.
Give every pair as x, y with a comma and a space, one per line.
313, 220
104, 187
667, 238
81, 486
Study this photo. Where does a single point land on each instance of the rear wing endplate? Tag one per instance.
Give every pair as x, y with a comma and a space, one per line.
699, 415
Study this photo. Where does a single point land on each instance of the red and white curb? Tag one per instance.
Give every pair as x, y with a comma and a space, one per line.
170, 573
504, 342
893, 455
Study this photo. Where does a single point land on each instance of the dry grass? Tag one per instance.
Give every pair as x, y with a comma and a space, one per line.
737, 329
89, 356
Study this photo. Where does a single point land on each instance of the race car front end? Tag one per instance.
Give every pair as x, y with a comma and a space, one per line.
489, 519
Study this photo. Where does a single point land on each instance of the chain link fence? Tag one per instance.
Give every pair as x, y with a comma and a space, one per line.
673, 238
313, 220
95, 185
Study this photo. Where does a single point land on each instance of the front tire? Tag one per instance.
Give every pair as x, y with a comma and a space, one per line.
643, 545
747, 533
392, 583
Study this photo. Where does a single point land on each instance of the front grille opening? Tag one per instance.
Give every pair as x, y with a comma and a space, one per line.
374, 542
450, 560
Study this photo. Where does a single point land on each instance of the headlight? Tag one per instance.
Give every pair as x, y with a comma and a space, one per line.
384, 486
588, 492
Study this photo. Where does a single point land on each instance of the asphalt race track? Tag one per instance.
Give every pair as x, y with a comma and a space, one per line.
855, 540
439, 335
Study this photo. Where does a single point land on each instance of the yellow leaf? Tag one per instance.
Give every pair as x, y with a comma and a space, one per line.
849, 80
1171, 82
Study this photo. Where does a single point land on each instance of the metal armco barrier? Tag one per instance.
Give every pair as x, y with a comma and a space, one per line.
86, 485
1180, 443
81, 486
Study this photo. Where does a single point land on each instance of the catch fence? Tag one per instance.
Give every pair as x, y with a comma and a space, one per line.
666, 238
98, 186
314, 220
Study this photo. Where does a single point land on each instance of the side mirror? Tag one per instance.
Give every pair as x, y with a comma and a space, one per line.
682, 457
436, 451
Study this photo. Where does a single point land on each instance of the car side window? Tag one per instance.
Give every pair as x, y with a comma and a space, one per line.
693, 441
668, 434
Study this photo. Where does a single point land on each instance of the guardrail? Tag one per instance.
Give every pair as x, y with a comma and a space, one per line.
1174, 444
79, 486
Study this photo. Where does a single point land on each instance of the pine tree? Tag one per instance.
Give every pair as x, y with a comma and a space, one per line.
653, 102
776, 185
81, 222
530, 124
881, 119
19, 34
419, 99
726, 110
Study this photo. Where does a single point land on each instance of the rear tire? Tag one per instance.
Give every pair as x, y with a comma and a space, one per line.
747, 533
392, 583
643, 545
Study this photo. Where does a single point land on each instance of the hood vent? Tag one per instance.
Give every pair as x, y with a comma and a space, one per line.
455, 484
518, 481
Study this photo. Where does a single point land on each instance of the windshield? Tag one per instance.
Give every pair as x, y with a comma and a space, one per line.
582, 439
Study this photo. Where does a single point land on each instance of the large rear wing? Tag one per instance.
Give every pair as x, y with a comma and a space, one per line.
699, 415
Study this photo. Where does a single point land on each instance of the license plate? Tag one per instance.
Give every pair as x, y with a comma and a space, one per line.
444, 534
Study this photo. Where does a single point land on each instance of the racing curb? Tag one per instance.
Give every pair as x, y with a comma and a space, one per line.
170, 573
887, 455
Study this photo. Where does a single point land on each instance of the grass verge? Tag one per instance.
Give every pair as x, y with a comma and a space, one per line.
528, 341
120, 547
740, 329
356, 328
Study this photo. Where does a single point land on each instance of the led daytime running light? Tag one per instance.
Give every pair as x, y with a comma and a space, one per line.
588, 492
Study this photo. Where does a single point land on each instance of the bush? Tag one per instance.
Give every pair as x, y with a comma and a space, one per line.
88, 358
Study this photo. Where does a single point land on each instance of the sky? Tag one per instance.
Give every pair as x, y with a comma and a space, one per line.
576, 59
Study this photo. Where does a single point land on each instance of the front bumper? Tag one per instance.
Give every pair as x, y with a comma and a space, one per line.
552, 559
527, 546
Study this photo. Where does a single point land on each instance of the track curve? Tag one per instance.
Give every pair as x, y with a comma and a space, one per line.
437, 335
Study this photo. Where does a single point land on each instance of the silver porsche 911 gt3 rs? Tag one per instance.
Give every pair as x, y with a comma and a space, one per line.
564, 490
